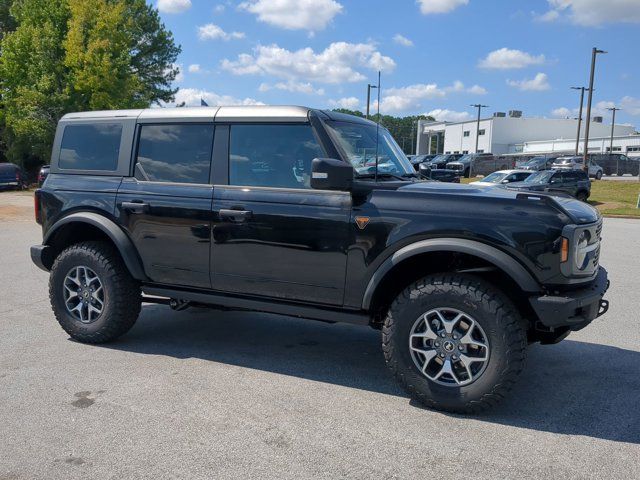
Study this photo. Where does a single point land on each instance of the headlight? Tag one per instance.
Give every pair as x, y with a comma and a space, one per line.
582, 248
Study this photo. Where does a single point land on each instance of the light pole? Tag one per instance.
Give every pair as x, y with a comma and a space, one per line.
479, 107
613, 110
369, 88
594, 52
582, 89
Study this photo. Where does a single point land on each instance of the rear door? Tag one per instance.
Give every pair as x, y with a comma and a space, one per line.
166, 206
274, 236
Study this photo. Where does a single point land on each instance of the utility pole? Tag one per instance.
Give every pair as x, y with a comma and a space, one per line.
369, 88
582, 89
613, 110
479, 107
594, 52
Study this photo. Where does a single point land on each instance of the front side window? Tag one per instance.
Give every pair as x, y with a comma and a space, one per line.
174, 153
276, 156
362, 144
91, 147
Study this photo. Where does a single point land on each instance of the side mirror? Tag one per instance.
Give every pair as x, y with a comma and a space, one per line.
504, 181
425, 170
331, 174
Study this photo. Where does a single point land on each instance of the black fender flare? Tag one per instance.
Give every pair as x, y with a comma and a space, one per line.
500, 259
120, 239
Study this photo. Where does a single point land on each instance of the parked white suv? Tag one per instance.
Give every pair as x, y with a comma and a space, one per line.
576, 163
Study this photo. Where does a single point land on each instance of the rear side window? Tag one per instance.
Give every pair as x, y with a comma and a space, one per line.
91, 147
174, 153
272, 155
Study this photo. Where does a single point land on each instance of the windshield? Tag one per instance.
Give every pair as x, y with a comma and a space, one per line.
495, 177
540, 177
535, 161
465, 158
358, 143
440, 158
564, 161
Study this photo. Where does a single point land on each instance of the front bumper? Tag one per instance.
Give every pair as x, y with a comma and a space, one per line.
575, 308
41, 256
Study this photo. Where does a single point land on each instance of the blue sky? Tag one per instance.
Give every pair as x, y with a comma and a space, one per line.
436, 56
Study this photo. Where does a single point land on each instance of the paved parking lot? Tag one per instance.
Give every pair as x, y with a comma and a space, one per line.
206, 394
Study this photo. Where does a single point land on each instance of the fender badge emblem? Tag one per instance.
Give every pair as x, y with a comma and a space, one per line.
362, 222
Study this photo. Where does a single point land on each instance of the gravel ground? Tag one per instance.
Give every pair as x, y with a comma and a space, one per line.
208, 394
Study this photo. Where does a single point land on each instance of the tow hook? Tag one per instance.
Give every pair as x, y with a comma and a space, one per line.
178, 305
604, 306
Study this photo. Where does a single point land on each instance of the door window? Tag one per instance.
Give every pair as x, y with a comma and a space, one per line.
174, 153
272, 155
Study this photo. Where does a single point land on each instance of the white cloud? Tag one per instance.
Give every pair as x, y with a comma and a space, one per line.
339, 63
538, 83
194, 68
311, 15
214, 32
591, 13
477, 90
505, 58
440, 6
350, 103
444, 115
630, 105
564, 112
219, 8
291, 86
550, 16
174, 6
401, 40
411, 97
191, 97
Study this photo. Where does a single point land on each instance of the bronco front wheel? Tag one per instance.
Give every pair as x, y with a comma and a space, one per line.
454, 342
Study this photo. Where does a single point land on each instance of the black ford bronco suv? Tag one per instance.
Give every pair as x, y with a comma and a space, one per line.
312, 214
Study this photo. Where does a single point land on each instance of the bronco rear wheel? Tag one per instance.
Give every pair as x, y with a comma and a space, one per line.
454, 342
93, 296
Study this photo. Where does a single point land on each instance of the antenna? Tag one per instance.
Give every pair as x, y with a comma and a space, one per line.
377, 128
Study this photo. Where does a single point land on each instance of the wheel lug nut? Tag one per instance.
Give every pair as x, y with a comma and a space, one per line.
455, 357
437, 344
455, 337
442, 335
442, 355
460, 347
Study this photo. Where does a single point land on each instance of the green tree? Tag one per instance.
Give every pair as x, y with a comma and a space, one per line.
403, 129
70, 55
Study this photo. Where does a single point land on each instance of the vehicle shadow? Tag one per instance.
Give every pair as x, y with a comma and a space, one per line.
573, 388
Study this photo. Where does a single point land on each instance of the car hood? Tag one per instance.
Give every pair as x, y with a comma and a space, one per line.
578, 211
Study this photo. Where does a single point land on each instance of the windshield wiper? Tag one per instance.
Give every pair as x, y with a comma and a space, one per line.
379, 175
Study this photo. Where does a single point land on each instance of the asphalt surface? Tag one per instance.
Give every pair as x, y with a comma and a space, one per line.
213, 395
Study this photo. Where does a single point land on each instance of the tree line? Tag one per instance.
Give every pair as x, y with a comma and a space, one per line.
59, 56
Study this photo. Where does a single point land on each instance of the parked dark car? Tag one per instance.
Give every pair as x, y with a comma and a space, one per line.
12, 176
278, 210
572, 182
481, 164
416, 160
439, 174
538, 163
43, 173
441, 161
617, 163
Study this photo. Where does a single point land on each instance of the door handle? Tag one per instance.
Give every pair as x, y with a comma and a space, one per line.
235, 215
135, 207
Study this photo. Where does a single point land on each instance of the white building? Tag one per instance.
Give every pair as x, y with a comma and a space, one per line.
503, 134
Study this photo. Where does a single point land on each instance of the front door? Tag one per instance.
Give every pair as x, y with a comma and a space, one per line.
274, 236
166, 207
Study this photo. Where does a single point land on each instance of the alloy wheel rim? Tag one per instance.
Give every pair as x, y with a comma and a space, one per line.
83, 294
449, 347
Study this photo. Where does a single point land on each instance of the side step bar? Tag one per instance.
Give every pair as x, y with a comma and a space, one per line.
241, 303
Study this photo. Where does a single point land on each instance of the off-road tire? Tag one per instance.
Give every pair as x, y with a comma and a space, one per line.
598, 175
122, 300
505, 330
